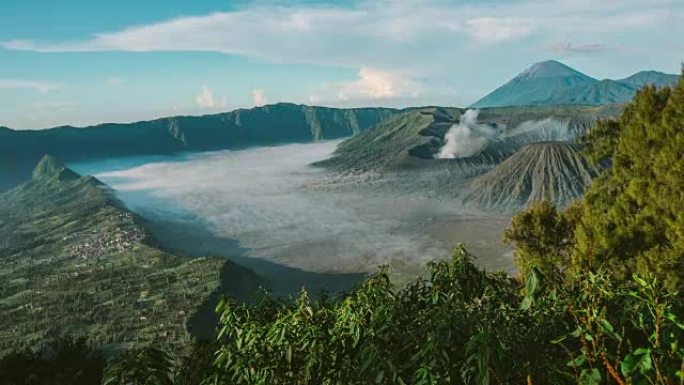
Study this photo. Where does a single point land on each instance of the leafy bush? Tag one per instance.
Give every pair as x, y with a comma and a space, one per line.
462, 325
627, 335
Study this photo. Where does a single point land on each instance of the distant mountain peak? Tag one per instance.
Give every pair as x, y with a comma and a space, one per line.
536, 85
550, 69
551, 83
50, 166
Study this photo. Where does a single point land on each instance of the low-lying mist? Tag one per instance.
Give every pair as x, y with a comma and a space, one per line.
267, 201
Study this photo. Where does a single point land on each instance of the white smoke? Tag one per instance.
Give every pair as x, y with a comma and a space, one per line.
545, 129
468, 137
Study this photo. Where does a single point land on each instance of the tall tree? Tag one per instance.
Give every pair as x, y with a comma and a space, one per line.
633, 215
543, 238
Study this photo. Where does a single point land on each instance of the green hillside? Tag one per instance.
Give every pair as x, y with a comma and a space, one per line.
75, 262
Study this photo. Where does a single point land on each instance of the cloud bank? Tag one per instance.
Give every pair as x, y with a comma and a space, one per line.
377, 84
569, 47
384, 52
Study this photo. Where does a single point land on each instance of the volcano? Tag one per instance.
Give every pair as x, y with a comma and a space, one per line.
555, 170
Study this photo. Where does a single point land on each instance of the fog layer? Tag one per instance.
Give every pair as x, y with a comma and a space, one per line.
266, 200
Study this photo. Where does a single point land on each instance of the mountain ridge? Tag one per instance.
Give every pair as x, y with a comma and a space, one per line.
273, 124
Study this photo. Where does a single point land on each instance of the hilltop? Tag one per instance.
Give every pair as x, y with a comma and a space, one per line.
75, 261
554, 83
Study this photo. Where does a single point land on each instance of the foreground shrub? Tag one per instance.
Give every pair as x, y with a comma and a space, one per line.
64, 361
460, 326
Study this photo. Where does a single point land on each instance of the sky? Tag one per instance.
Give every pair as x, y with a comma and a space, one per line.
82, 62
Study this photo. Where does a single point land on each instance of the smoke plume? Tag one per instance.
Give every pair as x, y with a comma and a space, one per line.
468, 137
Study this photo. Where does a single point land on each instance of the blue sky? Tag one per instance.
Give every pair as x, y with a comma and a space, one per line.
82, 62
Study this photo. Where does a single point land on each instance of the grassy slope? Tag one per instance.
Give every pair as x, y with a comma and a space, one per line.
119, 292
387, 144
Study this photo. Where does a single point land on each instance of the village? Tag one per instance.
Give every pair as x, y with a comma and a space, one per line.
125, 237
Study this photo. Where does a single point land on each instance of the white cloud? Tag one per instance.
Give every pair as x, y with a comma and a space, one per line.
55, 106
569, 47
39, 86
382, 34
115, 81
206, 99
314, 99
377, 84
495, 30
259, 97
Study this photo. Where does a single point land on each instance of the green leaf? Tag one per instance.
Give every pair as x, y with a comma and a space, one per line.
590, 377
639, 280
637, 361
673, 318
578, 361
608, 328
222, 332
526, 303
532, 284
